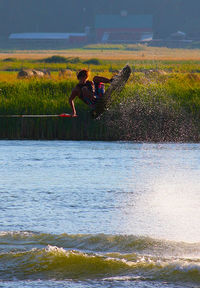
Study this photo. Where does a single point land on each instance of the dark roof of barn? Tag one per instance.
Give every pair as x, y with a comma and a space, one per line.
130, 21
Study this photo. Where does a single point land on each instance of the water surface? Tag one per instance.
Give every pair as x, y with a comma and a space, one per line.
99, 214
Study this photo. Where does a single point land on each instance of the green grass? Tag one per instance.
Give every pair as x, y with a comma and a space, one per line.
34, 97
96, 65
163, 105
49, 96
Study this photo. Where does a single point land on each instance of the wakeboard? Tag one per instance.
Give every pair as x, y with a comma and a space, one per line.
117, 84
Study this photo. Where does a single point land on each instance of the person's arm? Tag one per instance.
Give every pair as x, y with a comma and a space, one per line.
71, 101
98, 79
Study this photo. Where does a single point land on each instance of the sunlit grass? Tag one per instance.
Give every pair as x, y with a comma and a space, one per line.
160, 101
49, 95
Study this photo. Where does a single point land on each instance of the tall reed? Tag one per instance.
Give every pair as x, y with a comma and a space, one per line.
152, 107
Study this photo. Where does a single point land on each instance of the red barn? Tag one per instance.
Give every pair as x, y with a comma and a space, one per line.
127, 29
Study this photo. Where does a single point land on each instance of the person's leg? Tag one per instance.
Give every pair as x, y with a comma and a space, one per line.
100, 79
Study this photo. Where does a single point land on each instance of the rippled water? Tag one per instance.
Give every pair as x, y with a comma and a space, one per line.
99, 214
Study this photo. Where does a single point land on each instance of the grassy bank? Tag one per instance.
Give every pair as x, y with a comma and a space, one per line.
154, 106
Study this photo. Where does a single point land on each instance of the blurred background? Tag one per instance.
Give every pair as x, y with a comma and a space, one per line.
64, 23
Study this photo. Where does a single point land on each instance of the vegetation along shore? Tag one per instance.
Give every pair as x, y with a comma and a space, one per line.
161, 101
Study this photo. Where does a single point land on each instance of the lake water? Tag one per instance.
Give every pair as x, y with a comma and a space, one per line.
99, 214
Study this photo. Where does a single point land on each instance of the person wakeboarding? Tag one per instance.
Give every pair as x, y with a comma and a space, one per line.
88, 91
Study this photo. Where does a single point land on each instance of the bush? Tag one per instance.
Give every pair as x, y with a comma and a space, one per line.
54, 59
93, 61
61, 59
10, 59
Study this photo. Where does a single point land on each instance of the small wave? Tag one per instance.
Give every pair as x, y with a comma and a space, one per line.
98, 243
59, 264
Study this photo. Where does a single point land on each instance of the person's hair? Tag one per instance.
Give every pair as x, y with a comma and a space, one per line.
82, 73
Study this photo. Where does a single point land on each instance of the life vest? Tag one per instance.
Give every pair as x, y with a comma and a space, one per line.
99, 89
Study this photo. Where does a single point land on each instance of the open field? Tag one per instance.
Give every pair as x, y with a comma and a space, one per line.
110, 52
